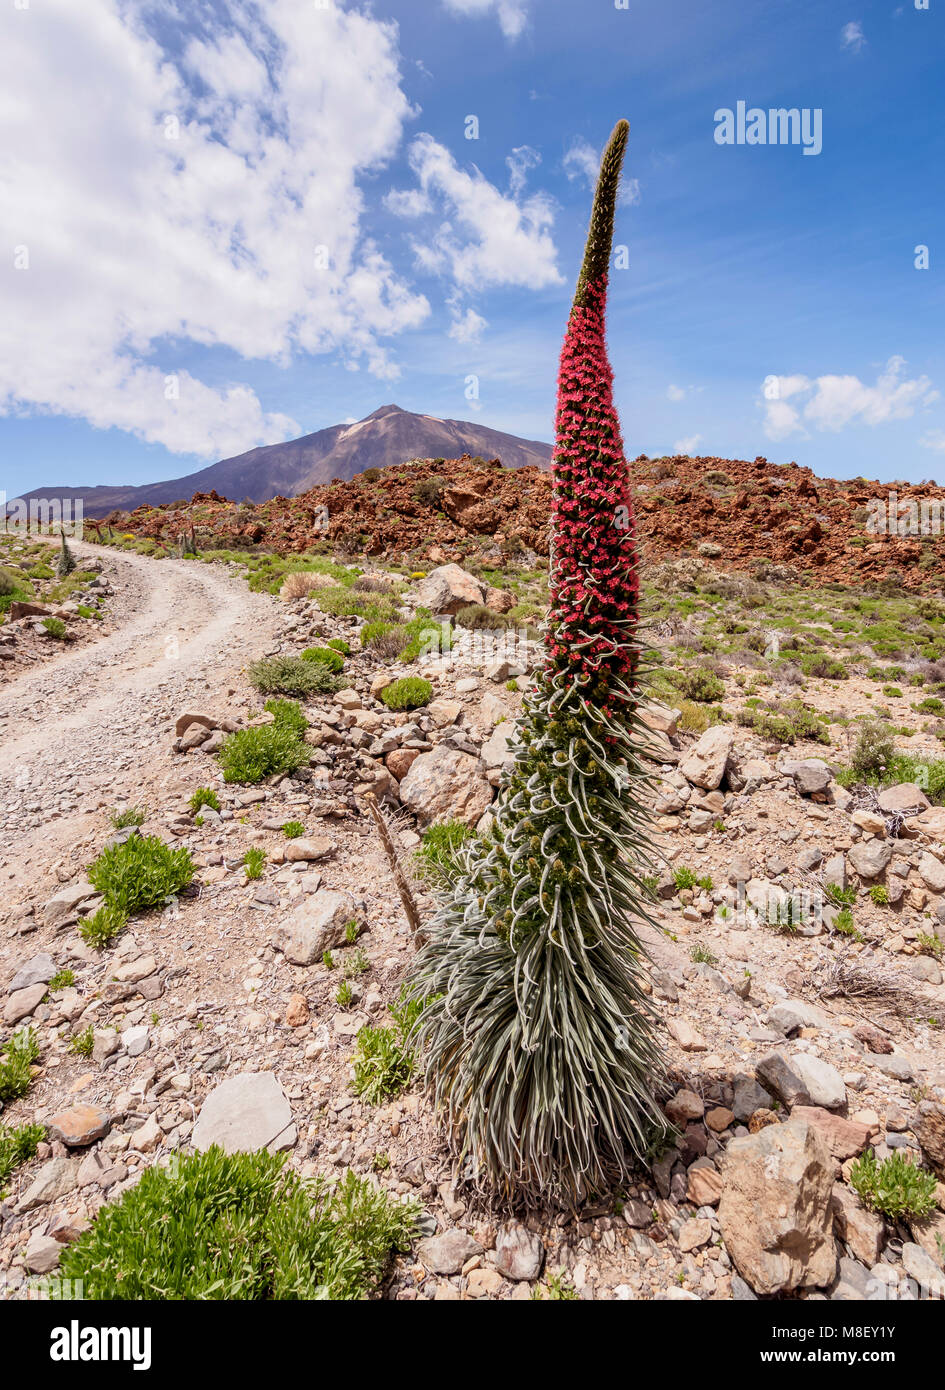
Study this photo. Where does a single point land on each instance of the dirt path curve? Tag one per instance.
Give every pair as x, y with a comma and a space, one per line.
86, 720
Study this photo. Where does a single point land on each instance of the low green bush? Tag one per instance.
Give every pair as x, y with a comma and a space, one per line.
384, 1061
896, 1187
292, 675
101, 927
204, 796
478, 616
268, 750
411, 692
56, 628
326, 655
254, 861
699, 684
18, 1144
239, 1227
141, 872
437, 860
16, 1062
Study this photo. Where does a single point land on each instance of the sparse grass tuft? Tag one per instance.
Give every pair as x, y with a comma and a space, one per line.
384, 1062
254, 861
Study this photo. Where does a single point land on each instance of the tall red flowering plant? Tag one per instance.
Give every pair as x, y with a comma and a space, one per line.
538, 1036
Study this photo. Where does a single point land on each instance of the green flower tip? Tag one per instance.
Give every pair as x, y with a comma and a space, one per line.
600, 234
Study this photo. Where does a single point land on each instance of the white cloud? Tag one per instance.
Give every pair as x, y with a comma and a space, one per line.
934, 439
852, 36
833, 402
511, 14
675, 393
522, 158
467, 327
689, 445
485, 238
582, 161
144, 249
408, 202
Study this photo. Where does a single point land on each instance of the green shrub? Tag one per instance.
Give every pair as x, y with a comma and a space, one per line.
932, 705
695, 718
477, 615
204, 796
127, 816
895, 1187
18, 1057
343, 603
786, 723
82, 1044
384, 1061
423, 634
823, 667
293, 829
438, 859
700, 684
102, 926
291, 675
873, 751
141, 872
269, 750
239, 1227
879, 894
326, 655
684, 877
254, 861
18, 1144
408, 693
428, 492
930, 945
338, 644
63, 979
289, 714
56, 628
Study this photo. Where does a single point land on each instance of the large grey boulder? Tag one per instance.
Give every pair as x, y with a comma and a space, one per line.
245, 1114
870, 857
37, 971
811, 775
449, 588
932, 873
315, 926
448, 1252
704, 764
775, 1212
446, 784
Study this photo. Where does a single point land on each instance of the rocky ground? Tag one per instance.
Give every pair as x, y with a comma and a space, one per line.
751, 511
81, 605
796, 1038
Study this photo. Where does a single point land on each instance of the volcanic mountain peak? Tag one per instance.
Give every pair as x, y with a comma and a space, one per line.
389, 435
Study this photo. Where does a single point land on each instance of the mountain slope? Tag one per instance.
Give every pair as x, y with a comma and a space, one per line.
388, 436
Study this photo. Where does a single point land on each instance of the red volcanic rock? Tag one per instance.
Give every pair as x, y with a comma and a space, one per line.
757, 511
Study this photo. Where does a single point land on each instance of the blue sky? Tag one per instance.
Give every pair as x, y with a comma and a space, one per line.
188, 165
